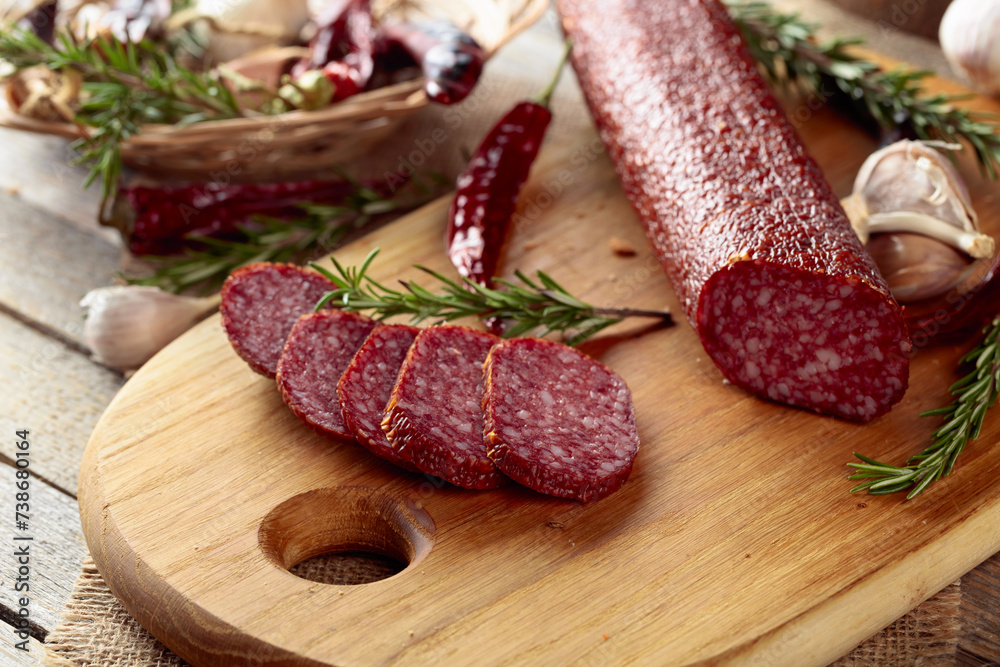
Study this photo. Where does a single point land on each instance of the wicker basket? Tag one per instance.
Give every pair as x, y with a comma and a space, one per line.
301, 142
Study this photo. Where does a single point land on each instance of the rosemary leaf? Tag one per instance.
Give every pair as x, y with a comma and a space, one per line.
974, 395
527, 306
793, 57
125, 85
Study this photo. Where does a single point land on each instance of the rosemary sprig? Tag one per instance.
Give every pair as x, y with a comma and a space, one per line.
207, 261
974, 394
540, 307
125, 85
789, 51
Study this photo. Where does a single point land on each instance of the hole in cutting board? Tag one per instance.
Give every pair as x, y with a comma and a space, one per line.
348, 568
346, 535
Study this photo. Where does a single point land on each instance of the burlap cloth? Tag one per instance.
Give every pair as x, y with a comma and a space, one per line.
97, 631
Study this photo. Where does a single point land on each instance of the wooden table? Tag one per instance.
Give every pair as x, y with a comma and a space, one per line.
52, 252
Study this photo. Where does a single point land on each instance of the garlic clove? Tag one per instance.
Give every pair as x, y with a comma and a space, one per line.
127, 325
910, 187
970, 39
917, 267
913, 176
974, 244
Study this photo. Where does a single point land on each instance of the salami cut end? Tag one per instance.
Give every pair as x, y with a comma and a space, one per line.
316, 354
434, 419
826, 343
260, 305
366, 387
558, 421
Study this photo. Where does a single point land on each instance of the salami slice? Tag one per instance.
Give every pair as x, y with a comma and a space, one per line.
317, 352
434, 419
260, 305
556, 420
366, 387
785, 299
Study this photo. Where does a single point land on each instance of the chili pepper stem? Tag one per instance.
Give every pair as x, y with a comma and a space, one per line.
545, 96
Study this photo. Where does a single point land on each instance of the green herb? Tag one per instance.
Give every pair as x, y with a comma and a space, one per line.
125, 86
789, 51
206, 263
974, 394
540, 307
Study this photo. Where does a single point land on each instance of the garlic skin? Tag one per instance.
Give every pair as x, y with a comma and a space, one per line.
38, 92
237, 27
970, 39
917, 267
910, 187
127, 325
913, 211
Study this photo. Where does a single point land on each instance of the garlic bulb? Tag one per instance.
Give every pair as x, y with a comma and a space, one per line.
237, 27
911, 193
970, 39
38, 92
910, 187
126, 326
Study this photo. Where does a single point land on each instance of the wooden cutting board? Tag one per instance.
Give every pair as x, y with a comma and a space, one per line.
734, 541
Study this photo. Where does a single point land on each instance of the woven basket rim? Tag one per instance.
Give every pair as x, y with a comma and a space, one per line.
305, 138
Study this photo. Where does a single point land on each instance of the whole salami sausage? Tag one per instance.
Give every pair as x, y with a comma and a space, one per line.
261, 303
784, 298
556, 420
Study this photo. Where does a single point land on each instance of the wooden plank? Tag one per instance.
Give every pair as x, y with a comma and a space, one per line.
980, 613
36, 168
47, 265
56, 393
11, 656
55, 551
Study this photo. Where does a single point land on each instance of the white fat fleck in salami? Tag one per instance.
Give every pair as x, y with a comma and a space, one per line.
366, 387
434, 419
558, 421
316, 354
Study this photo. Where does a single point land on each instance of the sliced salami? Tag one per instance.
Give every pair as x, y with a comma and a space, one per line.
434, 418
763, 259
260, 305
556, 420
317, 352
366, 387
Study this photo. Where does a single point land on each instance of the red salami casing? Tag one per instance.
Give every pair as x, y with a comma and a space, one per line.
785, 299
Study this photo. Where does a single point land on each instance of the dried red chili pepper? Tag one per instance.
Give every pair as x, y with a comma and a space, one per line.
156, 220
487, 190
450, 59
343, 47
